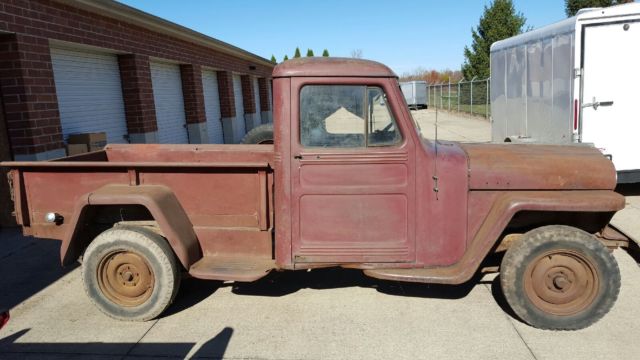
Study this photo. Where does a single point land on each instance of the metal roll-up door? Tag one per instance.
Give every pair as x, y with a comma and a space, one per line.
256, 96
269, 96
212, 106
237, 93
89, 93
167, 96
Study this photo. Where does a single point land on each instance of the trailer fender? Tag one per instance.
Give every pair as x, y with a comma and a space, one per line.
161, 203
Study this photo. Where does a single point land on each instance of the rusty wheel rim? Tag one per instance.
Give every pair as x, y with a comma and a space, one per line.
561, 282
125, 278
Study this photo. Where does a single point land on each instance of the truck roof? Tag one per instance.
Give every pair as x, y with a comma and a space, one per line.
566, 25
331, 66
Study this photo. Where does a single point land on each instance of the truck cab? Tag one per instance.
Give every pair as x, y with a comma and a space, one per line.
349, 181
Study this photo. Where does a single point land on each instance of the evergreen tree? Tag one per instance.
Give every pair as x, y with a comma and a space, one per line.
286, 57
309, 53
325, 53
571, 7
297, 53
273, 59
499, 21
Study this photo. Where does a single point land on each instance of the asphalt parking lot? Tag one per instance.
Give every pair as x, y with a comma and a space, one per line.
320, 314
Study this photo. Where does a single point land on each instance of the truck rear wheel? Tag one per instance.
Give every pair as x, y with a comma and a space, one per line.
559, 277
262, 134
130, 273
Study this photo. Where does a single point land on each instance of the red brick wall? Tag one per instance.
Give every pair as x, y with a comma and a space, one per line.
225, 91
264, 95
6, 205
248, 96
29, 94
33, 119
137, 93
193, 93
49, 19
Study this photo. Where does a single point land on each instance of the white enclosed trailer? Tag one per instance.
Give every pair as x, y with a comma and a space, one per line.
415, 93
575, 81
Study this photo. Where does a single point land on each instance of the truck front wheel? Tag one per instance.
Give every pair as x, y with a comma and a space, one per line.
559, 277
130, 273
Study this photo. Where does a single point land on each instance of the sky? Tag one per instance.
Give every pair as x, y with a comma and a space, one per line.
403, 34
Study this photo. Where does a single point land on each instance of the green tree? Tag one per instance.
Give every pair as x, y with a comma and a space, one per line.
325, 53
286, 57
499, 21
571, 7
273, 59
297, 53
309, 53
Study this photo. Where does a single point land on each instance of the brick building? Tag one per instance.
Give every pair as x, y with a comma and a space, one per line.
76, 66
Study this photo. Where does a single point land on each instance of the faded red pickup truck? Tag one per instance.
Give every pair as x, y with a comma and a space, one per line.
350, 182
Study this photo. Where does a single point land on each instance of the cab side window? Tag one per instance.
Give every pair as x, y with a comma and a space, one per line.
346, 116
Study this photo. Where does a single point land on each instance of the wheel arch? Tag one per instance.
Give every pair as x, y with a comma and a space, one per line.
117, 203
581, 205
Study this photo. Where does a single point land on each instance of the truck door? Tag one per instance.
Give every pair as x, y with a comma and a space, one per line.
352, 176
610, 99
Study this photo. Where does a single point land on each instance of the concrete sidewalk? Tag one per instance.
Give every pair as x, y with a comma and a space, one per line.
320, 314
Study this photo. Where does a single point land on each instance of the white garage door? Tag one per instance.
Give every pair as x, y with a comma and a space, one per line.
89, 93
270, 97
167, 95
212, 106
237, 93
256, 96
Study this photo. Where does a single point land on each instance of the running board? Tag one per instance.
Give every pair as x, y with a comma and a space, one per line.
231, 268
440, 275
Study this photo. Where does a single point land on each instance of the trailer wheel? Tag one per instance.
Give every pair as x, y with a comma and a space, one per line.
559, 277
130, 273
262, 134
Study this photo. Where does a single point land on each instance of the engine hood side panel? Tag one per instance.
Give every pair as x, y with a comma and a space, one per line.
538, 167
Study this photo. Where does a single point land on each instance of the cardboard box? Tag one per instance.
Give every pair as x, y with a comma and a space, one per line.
75, 149
94, 141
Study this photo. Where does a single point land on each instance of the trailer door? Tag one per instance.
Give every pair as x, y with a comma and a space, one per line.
610, 98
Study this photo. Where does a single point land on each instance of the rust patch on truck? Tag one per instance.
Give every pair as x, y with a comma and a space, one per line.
538, 167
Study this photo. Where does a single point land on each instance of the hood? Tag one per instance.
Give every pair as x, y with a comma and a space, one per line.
538, 167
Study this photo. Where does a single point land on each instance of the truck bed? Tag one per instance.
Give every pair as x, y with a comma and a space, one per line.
225, 190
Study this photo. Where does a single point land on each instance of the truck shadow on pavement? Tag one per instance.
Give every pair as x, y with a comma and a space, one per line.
27, 266
214, 348
288, 282
277, 284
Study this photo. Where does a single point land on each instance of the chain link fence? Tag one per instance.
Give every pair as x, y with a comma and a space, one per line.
468, 96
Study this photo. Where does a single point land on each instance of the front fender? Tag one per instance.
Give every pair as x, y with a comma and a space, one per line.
505, 206
509, 203
161, 203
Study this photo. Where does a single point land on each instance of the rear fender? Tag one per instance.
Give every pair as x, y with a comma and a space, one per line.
161, 203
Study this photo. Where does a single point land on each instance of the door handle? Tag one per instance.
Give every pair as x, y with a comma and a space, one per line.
299, 157
596, 104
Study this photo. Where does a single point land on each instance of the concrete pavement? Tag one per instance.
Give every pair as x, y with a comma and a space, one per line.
453, 126
320, 314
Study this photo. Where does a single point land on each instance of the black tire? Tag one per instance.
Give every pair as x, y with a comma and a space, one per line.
559, 277
262, 134
149, 265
